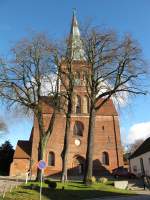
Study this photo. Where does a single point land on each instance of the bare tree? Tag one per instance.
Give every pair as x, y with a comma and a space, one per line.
29, 76
67, 80
2, 126
116, 67
134, 146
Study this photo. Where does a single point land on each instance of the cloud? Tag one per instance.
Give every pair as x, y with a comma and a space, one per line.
138, 131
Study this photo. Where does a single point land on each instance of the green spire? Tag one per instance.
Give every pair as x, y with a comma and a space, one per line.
75, 44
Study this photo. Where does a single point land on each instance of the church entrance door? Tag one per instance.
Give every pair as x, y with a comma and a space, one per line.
78, 165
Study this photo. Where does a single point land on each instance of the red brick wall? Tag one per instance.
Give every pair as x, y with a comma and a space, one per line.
104, 141
19, 167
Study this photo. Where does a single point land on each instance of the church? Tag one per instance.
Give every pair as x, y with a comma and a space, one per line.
107, 145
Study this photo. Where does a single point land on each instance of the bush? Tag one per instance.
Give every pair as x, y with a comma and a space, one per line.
51, 184
47, 180
103, 180
91, 180
33, 186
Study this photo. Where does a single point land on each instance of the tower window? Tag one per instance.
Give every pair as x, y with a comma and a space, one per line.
109, 140
85, 104
84, 77
105, 158
103, 128
78, 128
78, 104
51, 159
77, 78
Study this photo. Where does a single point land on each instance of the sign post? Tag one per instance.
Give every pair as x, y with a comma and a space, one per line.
27, 176
41, 166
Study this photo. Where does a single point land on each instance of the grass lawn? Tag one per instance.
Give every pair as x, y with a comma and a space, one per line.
72, 191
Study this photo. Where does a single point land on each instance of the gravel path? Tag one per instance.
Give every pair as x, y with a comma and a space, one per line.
6, 183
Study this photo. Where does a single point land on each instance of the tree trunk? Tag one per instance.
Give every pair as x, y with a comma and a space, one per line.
42, 143
41, 156
90, 142
66, 142
44, 137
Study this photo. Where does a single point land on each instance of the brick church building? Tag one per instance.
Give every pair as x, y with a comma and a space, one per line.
107, 144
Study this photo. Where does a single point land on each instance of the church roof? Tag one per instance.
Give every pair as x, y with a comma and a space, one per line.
107, 109
75, 47
143, 148
23, 149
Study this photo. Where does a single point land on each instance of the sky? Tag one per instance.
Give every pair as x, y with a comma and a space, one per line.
19, 17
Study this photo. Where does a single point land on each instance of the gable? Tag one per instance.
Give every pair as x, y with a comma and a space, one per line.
107, 109
23, 149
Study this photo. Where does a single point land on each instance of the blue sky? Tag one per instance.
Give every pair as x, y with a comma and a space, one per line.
19, 17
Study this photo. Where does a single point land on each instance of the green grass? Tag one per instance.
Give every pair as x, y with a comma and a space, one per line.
72, 191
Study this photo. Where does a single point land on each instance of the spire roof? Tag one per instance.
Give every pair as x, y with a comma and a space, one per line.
75, 46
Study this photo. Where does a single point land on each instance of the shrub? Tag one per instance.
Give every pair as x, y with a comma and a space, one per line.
103, 179
51, 184
91, 180
47, 180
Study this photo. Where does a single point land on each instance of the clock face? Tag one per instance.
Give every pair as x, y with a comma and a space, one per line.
77, 142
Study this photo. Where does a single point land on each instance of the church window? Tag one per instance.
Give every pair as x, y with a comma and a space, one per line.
78, 128
103, 128
84, 77
77, 78
78, 104
109, 140
51, 159
85, 104
105, 158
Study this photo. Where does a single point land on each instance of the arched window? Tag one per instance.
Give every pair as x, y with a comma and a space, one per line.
77, 78
84, 77
85, 104
51, 159
105, 158
78, 104
78, 128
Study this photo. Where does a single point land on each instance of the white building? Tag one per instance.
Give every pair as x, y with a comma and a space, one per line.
140, 160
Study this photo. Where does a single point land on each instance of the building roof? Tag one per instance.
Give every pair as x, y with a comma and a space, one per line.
107, 109
143, 148
23, 149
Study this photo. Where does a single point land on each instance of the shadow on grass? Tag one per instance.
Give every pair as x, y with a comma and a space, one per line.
83, 192
23, 192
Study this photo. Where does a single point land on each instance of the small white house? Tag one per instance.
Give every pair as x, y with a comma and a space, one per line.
139, 161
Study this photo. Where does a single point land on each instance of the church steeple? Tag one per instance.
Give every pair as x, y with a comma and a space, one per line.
75, 46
